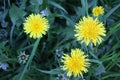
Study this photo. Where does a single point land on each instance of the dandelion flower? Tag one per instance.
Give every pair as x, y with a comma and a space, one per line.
98, 10
36, 26
90, 30
76, 63
23, 57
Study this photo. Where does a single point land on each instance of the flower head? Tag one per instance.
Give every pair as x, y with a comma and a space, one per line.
62, 77
44, 12
35, 25
98, 10
23, 57
90, 30
4, 66
76, 63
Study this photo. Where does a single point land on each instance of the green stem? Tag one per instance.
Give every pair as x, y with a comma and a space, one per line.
30, 58
92, 52
11, 34
84, 7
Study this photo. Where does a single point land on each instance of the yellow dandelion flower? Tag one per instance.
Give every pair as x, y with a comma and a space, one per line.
98, 10
90, 30
76, 63
36, 26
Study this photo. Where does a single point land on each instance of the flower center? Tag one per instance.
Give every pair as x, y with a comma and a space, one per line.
90, 31
23, 57
98, 11
75, 63
36, 27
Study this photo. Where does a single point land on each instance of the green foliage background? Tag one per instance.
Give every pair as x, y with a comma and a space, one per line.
62, 16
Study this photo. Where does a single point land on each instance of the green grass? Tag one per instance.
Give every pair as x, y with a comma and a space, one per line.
45, 53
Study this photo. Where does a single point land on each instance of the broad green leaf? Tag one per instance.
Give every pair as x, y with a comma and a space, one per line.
23, 4
57, 6
93, 3
16, 13
70, 22
33, 8
68, 32
84, 7
100, 69
36, 2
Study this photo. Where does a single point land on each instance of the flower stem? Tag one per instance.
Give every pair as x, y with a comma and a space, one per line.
30, 58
